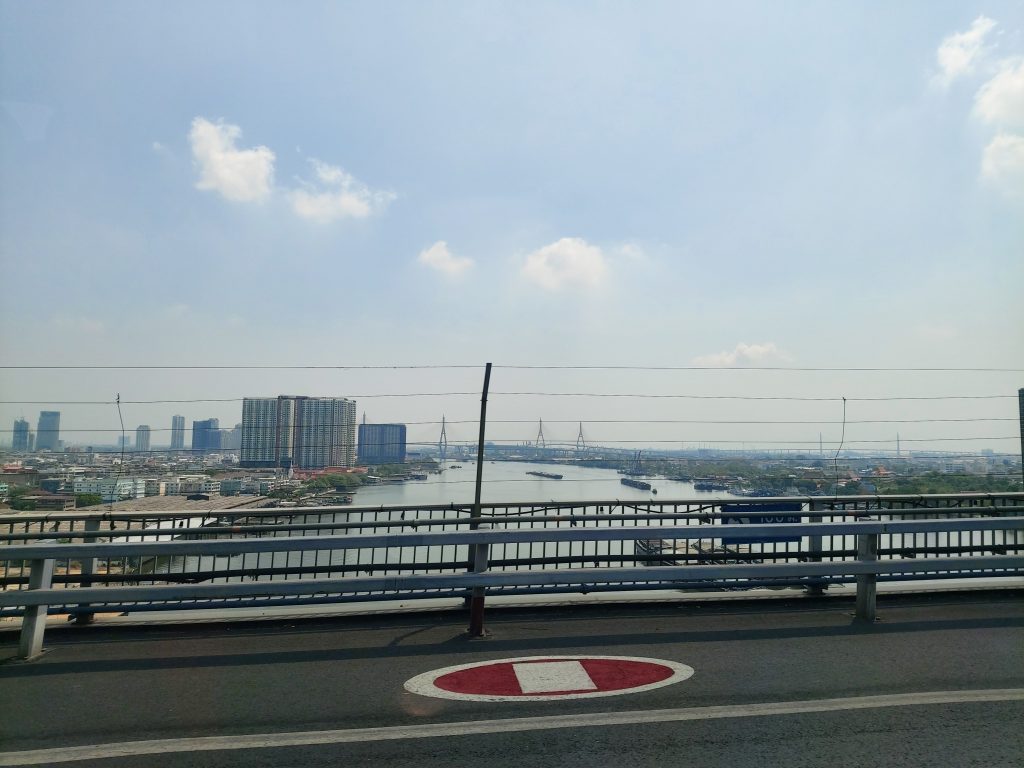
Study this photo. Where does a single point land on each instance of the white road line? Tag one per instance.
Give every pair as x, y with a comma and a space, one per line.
550, 676
472, 727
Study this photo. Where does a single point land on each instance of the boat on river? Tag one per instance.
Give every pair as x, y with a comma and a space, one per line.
546, 475
640, 485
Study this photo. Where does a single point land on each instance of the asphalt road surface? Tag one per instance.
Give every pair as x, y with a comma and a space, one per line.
939, 681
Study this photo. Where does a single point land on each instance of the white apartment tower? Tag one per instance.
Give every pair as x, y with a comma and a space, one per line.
177, 433
142, 437
268, 427
304, 432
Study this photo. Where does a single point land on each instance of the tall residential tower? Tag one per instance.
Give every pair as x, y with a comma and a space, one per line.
206, 435
300, 432
48, 431
381, 443
177, 433
19, 442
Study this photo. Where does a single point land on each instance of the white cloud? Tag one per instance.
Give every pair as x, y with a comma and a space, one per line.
960, 52
443, 260
569, 262
1000, 101
174, 311
742, 354
337, 195
83, 324
632, 252
1002, 163
240, 175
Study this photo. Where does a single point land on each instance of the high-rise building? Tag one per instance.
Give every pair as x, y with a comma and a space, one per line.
19, 442
325, 432
142, 437
206, 435
268, 427
231, 439
48, 431
381, 443
177, 433
304, 432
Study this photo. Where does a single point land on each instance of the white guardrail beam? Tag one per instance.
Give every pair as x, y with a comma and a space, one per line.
496, 536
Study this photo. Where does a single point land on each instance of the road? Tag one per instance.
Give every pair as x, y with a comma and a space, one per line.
270, 690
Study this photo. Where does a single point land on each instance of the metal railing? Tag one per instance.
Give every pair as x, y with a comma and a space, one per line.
453, 558
81, 564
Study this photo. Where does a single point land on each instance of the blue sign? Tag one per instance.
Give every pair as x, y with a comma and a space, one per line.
747, 515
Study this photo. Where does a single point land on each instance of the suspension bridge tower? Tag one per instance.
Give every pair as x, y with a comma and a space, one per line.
581, 443
442, 444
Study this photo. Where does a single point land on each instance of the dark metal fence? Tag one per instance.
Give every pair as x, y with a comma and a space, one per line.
285, 564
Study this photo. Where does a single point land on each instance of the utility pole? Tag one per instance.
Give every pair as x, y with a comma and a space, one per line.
1020, 399
478, 552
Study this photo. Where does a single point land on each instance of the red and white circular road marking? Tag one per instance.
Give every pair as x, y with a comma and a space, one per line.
543, 678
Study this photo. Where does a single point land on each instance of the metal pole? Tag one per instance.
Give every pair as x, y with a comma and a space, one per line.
480, 444
1020, 398
92, 526
867, 583
33, 624
815, 588
476, 602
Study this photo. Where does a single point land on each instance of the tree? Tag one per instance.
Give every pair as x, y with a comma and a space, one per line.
87, 499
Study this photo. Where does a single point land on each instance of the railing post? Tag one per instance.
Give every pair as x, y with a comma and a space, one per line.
33, 624
867, 583
92, 526
481, 553
815, 588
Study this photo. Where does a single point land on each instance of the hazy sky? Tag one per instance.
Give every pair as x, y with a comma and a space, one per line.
723, 184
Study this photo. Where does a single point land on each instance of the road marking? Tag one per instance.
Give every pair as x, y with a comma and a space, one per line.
475, 727
545, 678
553, 676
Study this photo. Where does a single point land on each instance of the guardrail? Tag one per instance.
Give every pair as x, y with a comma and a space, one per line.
453, 558
812, 570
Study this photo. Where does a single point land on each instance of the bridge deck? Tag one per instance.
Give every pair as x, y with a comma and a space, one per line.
105, 685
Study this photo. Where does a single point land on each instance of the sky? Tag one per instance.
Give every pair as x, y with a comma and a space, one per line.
679, 185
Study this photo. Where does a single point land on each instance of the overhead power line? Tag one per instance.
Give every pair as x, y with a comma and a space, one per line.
753, 368
850, 369
788, 398
237, 367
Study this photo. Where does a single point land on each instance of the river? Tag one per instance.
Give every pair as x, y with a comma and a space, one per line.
508, 481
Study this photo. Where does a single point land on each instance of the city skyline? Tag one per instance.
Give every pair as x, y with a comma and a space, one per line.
883, 435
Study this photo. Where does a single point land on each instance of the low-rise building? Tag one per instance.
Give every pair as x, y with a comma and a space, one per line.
111, 488
48, 502
155, 487
189, 484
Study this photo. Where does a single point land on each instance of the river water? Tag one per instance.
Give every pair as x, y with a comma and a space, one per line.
507, 481
503, 482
